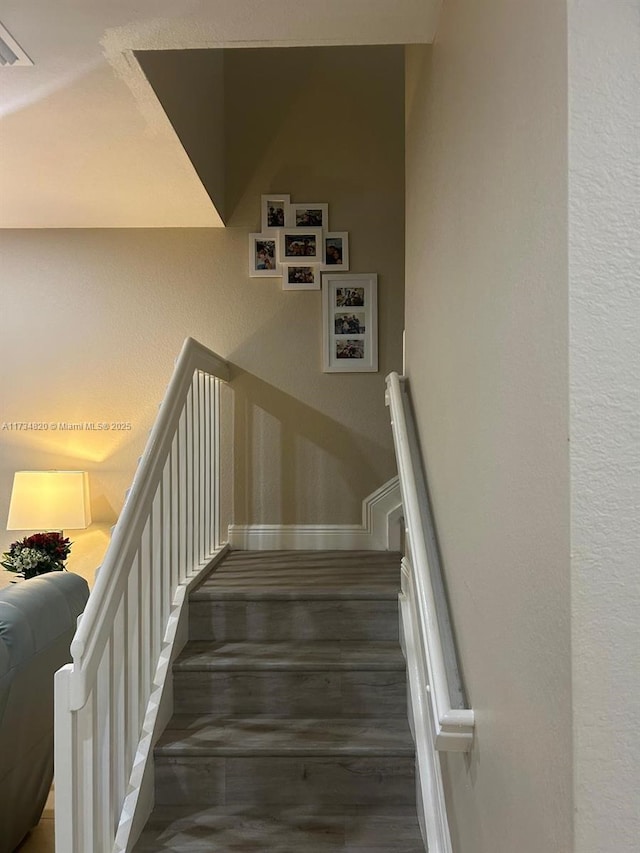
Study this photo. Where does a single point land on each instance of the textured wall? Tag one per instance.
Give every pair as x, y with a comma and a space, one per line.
94, 318
604, 194
486, 343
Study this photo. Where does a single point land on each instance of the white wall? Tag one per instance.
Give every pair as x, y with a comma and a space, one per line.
604, 205
487, 360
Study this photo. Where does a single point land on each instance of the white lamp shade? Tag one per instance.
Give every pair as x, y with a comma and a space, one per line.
49, 500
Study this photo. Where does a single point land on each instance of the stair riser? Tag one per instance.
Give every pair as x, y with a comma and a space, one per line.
291, 693
273, 621
252, 780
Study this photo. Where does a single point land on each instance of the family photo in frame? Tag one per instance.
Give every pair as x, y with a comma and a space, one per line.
308, 216
301, 277
349, 337
298, 243
275, 211
336, 250
263, 250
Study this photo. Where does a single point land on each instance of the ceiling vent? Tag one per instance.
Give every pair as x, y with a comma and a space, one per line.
11, 54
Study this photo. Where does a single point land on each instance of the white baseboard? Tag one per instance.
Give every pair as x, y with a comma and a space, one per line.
379, 531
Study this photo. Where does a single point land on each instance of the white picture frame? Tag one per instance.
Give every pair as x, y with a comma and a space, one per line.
274, 211
336, 251
294, 244
302, 215
349, 322
263, 256
300, 277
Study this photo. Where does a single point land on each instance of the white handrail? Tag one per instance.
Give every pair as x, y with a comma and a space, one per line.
453, 726
108, 701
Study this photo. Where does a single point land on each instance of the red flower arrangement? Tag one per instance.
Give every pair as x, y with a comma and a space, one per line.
37, 554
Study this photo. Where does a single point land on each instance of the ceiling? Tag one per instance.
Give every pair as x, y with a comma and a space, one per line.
84, 142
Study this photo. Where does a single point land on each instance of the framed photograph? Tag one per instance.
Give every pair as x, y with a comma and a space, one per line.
275, 211
336, 251
308, 216
262, 255
294, 244
300, 277
350, 322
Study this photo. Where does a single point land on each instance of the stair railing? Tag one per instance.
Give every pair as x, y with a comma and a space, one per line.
111, 700
439, 717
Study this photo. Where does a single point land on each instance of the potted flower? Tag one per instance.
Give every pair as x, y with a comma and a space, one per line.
37, 554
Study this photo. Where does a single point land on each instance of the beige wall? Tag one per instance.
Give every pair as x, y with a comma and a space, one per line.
604, 290
92, 319
486, 339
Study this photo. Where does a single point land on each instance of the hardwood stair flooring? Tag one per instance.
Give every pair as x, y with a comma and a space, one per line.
290, 729
292, 829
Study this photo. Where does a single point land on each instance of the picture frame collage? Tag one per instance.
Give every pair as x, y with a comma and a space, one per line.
296, 245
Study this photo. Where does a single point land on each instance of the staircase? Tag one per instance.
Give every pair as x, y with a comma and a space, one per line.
290, 729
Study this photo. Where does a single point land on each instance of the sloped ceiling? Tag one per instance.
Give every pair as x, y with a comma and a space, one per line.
85, 142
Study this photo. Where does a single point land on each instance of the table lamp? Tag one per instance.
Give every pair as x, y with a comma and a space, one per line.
49, 500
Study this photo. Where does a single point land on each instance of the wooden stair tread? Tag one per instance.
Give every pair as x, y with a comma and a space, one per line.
218, 829
198, 656
199, 735
286, 574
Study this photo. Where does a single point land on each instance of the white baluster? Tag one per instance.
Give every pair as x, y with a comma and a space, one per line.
134, 657
118, 705
190, 486
182, 497
174, 501
166, 542
206, 529
144, 624
214, 426
86, 795
202, 417
102, 753
155, 566
216, 464
66, 764
195, 528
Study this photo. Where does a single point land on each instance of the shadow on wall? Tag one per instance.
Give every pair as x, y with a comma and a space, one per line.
297, 449
241, 126
258, 125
